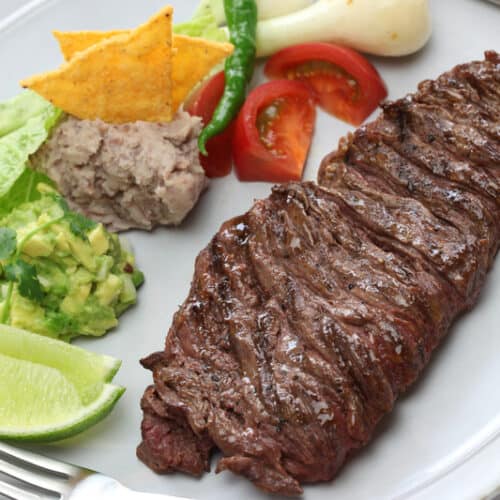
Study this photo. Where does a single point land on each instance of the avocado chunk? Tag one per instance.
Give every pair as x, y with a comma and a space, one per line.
39, 245
99, 240
107, 291
74, 302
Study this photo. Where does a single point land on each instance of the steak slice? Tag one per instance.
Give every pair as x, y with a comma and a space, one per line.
310, 314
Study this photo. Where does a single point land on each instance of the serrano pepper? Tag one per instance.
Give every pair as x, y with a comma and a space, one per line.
241, 18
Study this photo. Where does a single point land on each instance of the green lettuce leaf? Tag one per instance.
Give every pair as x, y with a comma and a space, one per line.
26, 123
23, 190
202, 25
15, 112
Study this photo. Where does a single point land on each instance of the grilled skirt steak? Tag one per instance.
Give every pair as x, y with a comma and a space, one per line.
309, 315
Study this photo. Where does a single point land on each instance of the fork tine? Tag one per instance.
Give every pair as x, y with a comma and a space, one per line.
55, 484
11, 491
49, 464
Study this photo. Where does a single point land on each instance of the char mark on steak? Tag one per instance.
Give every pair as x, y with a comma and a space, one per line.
309, 315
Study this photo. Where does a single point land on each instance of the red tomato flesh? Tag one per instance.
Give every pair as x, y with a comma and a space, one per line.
202, 103
273, 132
346, 85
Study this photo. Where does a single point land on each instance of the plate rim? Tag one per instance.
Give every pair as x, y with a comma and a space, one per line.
443, 474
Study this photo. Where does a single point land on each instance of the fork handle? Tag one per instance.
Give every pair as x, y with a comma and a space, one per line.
100, 487
126, 494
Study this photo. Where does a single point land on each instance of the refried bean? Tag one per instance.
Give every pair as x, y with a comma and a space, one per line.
137, 175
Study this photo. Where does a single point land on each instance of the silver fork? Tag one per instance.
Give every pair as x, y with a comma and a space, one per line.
43, 478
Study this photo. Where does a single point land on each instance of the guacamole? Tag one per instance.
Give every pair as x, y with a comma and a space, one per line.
61, 274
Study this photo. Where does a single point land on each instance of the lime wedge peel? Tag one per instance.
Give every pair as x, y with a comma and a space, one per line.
81, 421
51, 390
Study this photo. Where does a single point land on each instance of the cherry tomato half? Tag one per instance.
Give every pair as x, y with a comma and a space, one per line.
273, 132
203, 103
344, 82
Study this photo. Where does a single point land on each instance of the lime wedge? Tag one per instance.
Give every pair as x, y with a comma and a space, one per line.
86, 370
51, 390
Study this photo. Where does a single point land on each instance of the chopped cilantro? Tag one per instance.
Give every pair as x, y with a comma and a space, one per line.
78, 223
26, 276
8, 242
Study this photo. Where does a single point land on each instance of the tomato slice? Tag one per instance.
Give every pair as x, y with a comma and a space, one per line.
202, 103
344, 82
273, 132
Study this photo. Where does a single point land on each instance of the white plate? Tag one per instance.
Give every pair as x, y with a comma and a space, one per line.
441, 440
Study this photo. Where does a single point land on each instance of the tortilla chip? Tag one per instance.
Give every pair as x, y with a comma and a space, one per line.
121, 79
191, 62
71, 42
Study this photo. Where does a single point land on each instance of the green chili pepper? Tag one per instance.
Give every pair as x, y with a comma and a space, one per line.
241, 16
